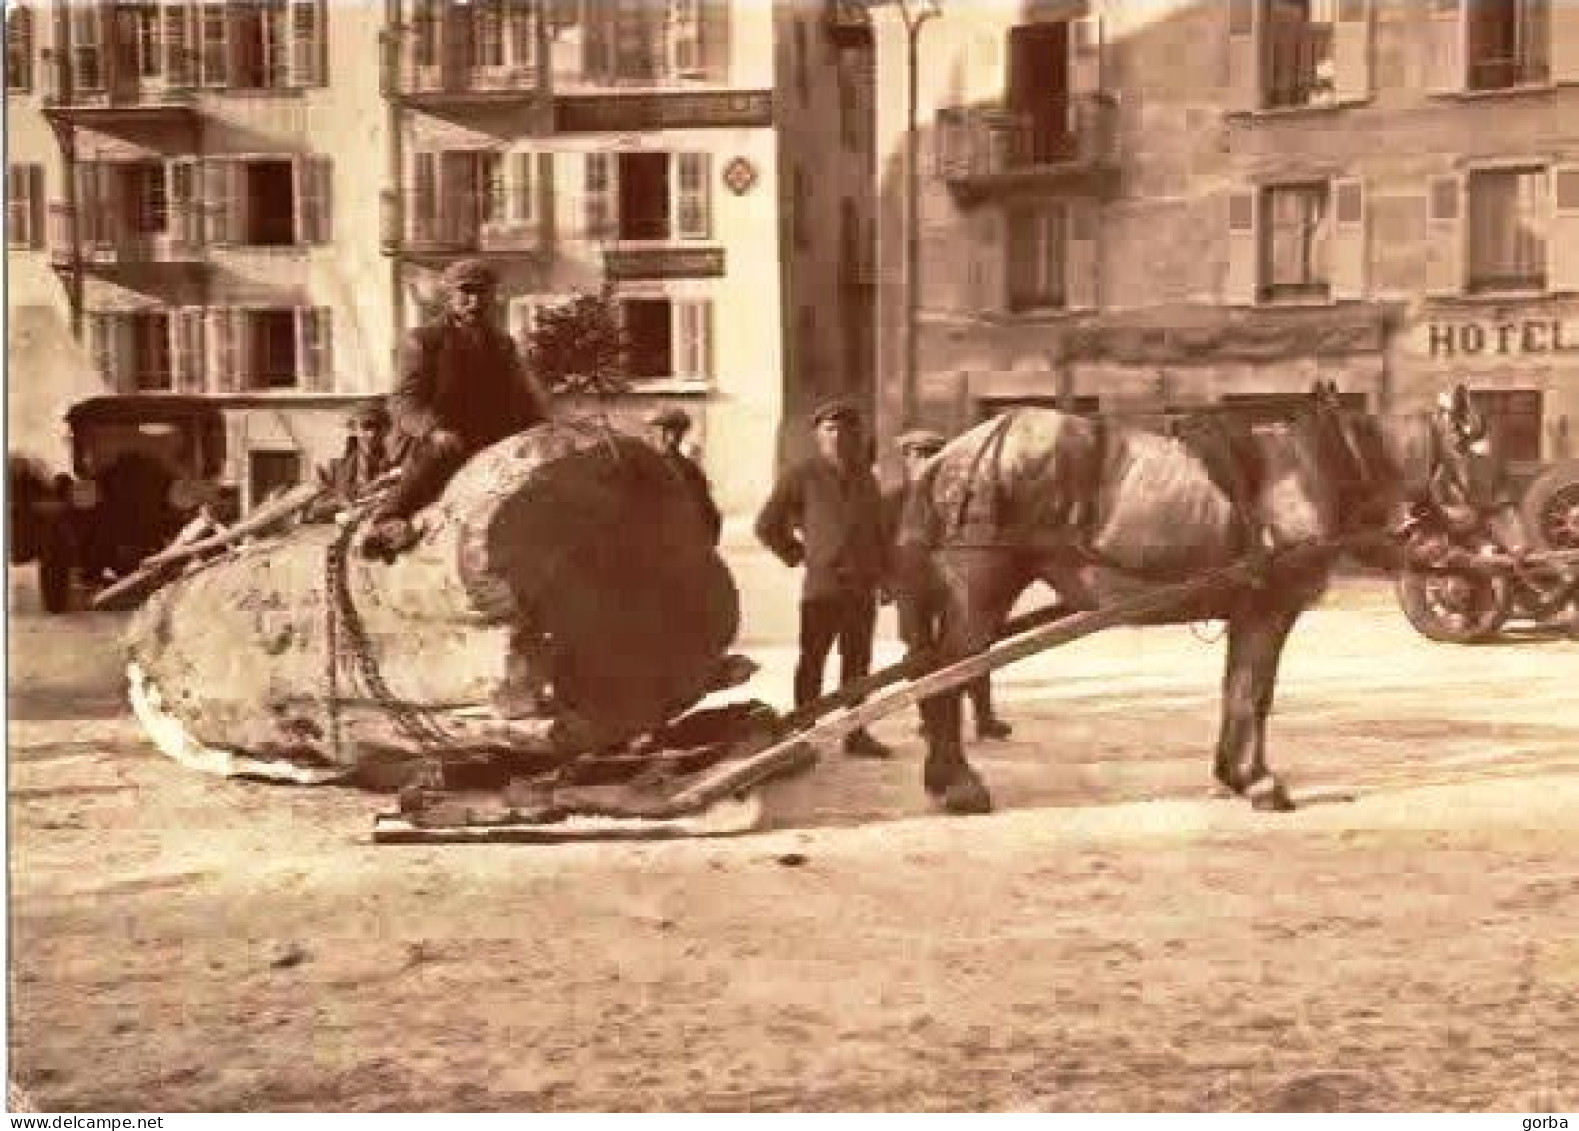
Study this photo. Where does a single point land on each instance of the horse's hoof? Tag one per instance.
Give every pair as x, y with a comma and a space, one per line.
1269, 796
966, 796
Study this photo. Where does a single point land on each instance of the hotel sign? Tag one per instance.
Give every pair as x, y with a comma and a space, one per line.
1514, 337
664, 262
632, 113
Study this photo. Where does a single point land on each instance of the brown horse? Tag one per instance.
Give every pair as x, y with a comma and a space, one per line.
1100, 511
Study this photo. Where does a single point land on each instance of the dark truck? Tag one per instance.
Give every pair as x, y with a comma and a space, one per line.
142, 466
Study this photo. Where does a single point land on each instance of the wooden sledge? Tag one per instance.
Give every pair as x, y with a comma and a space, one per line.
716, 801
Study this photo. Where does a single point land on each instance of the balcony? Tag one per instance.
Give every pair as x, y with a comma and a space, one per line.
413, 74
988, 151
86, 96
411, 228
847, 23
120, 253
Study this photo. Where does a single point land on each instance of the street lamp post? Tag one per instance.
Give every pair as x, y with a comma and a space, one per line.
915, 14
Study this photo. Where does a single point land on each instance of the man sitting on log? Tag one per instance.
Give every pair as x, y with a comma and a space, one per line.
462, 387
365, 459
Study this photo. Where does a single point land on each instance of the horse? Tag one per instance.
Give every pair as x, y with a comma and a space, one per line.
1100, 510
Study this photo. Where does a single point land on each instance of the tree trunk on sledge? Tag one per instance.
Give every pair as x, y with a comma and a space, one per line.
566, 581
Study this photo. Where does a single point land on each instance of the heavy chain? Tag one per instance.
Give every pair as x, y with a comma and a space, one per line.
352, 648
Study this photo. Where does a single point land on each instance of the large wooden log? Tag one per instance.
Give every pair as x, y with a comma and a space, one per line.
566, 581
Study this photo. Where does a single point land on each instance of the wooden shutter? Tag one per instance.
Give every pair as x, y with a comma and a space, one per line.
305, 41
1562, 240
683, 38
692, 330
1444, 44
19, 31
1349, 242
693, 208
713, 19
35, 205
1085, 55
1081, 247
545, 202
181, 177
213, 45
222, 214
523, 188
91, 214
1445, 234
186, 348
312, 348
599, 196
87, 47
97, 331
180, 40
597, 40
1351, 50
1244, 248
221, 336
1564, 40
1244, 54
312, 177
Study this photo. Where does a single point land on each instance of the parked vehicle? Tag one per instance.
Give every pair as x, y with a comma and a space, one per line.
142, 466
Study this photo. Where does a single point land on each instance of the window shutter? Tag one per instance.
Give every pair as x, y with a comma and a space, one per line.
693, 208
1244, 245
1562, 241
1445, 235
1244, 55
544, 204
180, 28
96, 336
1349, 240
1564, 40
87, 39
1085, 55
1081, 262
597, 41
220, 336
312, 176
90, 210
186, 348
1445, 33
181, 181
599, 195
35, 205
221, 223
523, 188
306, 44
713, 32
312, 348
683, 35
693, 338
1351, 50
213, 47
19, 30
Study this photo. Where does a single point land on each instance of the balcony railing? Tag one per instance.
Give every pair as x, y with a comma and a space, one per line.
978, 147
418, 225
422, 70
117, 245
89, 87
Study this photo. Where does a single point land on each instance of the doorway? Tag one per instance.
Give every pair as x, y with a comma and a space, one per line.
1038, 93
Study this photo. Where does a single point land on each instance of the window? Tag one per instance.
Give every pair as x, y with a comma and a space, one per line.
1508, 43
1515, 415
259, 54
667, 339
693, 216
524, 191
495, 200
24, 206
425, 33
1507, 230
271, 349
146, 201
86, 56
149, 336
269, 197
488, 34
143, 40
649, 196
214, 46
1299, 52
598, 194
1038, 241
271, 473
1294, 242
638, 42
19, 49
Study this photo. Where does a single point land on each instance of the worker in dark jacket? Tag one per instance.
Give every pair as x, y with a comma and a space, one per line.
826, 513
918, 594
365, 459
669, 426
461, 387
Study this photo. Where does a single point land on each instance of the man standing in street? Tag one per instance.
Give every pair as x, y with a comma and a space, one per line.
918, 595
669, 427
826, 513
461, 387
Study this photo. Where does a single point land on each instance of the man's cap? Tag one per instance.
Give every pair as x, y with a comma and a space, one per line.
920, 440
369, 412
674, 419
469, 273
835, 410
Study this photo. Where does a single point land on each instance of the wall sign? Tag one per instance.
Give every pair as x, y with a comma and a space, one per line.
1517, 337
600, 113
740, 175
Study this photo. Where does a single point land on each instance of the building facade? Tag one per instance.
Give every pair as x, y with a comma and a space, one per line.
253, 201
1133, 205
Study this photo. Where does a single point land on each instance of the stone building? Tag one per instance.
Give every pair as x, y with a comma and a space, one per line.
1129, 205
250, 201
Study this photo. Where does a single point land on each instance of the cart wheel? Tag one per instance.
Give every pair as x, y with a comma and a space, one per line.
54, 580
1453, 607
1551, 508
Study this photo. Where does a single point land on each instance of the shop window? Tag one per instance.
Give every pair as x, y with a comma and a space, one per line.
1507, 230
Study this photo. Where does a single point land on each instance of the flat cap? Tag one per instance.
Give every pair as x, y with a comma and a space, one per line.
920, 440
676, 419
469, 273
835, 410
370, 412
